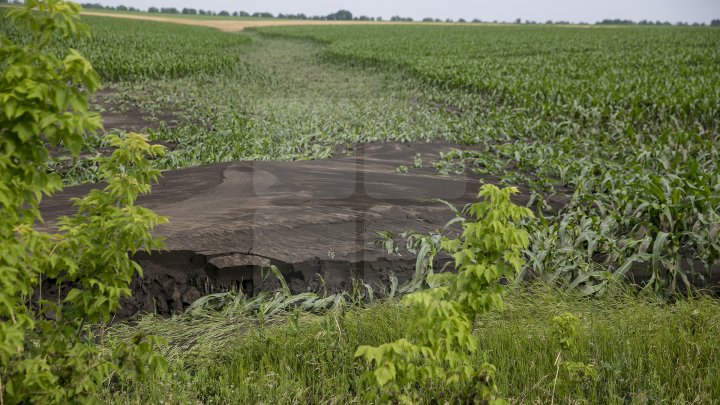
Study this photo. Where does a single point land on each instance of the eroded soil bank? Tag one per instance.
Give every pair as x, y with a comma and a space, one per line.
317, 221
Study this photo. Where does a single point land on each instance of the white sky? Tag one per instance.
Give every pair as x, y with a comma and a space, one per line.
486, 10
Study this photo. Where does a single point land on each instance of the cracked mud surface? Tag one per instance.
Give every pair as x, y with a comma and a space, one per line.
312, 219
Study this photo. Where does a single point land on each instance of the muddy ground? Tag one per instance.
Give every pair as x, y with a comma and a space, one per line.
125, 116
315, 220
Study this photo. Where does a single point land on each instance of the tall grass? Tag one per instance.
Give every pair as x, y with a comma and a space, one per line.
645, 351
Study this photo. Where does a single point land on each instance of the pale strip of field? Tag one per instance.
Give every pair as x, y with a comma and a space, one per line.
234, 25
241, 24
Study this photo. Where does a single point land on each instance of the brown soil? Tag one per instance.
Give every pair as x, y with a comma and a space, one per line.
120, 117
309, 218
133, 120
317, 221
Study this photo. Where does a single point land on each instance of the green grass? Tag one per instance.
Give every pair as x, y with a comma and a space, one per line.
645, 350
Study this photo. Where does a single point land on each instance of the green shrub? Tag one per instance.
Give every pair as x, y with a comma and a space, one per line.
443, 343
47, 350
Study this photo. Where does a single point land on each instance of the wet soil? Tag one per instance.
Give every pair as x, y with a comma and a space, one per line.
315, 220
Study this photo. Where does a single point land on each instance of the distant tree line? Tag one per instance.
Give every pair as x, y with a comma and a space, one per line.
101, 7
398, 18
646, 22
618, 21
340, 15
345, 15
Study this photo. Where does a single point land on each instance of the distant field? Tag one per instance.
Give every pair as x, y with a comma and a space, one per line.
131, 50
626, 73
621, 125
228, 24
223, 23
233, 24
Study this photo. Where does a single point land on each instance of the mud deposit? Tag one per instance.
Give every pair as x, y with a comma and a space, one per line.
315, 220
125, 116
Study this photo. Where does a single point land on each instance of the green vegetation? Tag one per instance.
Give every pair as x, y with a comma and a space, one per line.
127, 50
625, 119
48, 352
621, 124
442, 343
644, 350
281, 102
568, 372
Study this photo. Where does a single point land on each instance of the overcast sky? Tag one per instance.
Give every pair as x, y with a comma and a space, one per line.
486, 10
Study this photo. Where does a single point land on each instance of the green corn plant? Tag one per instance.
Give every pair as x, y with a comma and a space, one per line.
649, 140
443, 346
47, 347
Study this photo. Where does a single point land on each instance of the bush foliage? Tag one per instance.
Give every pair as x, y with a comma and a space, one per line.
443, 342
47, 348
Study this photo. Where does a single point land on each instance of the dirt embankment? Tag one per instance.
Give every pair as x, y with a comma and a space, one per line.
317, 221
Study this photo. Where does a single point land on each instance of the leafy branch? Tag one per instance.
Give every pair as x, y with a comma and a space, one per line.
47, 348
443, 344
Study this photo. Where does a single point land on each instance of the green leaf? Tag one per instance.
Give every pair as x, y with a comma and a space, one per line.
385, 374
24, 131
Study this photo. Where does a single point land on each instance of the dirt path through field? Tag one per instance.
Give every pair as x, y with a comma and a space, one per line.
231, 25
